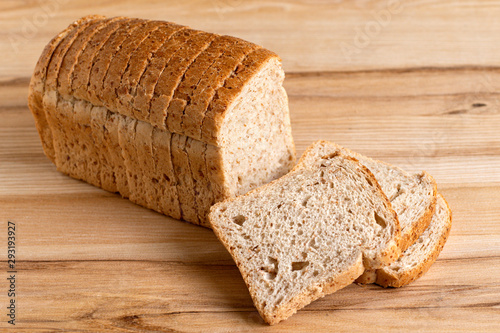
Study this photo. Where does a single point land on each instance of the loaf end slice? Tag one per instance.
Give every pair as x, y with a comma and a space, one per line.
307, 234
419, 257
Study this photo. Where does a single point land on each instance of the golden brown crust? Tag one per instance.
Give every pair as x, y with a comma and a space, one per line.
191, 80
37, 88
167, 91
120, 62
115, 152
146, 87
87, 59
98, 115
168, 200
185, 186
164, 110
89, 157
71, 57
104, 57
137, 66
203, 190
45, 120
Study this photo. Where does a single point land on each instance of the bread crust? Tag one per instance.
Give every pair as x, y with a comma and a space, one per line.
197, 71
148, 82
83, 67
144, 144
168, 200
90, 156
389, 278
112, 142
190, 80
50, 96
138, 63
163, 112
104, 57
120, 62
98, 116
71, 57
182, 171
37, 89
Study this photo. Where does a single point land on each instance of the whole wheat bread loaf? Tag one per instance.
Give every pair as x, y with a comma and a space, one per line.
173, 118
308, 233
412, 196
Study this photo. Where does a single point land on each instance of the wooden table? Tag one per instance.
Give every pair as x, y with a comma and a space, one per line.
415, 83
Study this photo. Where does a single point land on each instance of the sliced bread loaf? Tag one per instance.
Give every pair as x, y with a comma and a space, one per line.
308, 233
202, 95
419, 257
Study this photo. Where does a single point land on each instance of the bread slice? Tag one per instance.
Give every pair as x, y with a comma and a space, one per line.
413, 196
419, 257
308, 233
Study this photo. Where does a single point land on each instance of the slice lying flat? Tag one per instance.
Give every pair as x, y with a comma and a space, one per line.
412, 196
308, 234
419, 257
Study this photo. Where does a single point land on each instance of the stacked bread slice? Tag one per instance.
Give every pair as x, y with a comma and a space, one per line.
336, 218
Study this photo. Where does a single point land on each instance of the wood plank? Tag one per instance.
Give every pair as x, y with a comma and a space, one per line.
317, 36
145, 295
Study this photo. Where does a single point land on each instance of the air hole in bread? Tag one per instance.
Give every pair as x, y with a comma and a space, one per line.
271, 270
369, 181
239, 219
379, 220
306, 199
312, 244
299, 265
315, 273
330, 156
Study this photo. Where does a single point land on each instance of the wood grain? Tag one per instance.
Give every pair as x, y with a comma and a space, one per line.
424, 93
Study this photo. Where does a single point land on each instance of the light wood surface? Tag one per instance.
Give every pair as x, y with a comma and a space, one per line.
423, 92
